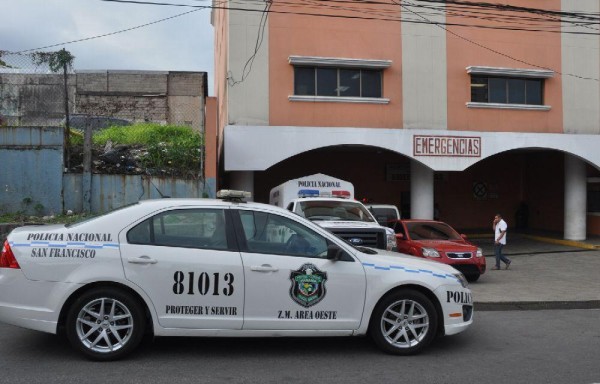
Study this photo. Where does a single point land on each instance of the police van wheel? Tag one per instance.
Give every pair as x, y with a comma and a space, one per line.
105, 324
404, 323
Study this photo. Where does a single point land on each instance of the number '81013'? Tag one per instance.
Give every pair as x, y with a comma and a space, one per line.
204, 284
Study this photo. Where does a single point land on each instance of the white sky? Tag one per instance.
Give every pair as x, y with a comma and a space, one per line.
184, 43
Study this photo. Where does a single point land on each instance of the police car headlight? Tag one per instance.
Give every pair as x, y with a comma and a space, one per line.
479, 253
430, 252
391, 240
461, 279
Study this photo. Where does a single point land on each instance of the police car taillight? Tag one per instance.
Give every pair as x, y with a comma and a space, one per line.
7, 258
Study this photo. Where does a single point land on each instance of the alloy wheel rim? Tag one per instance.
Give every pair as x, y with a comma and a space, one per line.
104, 325
404, 324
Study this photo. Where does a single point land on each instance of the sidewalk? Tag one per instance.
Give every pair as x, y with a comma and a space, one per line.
545, 273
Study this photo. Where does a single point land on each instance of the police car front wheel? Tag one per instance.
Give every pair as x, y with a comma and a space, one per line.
404, 323
105, 324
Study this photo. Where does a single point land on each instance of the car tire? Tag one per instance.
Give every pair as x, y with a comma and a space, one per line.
105, 324
404, 322
472, 277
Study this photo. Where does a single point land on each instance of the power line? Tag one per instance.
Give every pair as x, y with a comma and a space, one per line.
457, 8
591, 16
107, 34
475, 10
396, 19
493, 50
259, 39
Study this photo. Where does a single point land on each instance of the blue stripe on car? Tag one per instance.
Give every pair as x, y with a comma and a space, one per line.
399, 267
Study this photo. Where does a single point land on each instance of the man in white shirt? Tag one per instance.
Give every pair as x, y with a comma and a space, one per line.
500, 227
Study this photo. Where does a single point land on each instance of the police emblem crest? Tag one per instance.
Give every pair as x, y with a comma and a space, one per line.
308, 285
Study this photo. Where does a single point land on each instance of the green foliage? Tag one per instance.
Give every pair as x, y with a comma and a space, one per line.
2, 62
56, 60
146, 134
39, 209
165, 146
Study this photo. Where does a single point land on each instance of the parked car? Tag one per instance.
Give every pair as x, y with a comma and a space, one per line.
386, 214
220, 268
438, 241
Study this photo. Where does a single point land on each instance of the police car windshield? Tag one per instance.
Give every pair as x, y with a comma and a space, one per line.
333, 210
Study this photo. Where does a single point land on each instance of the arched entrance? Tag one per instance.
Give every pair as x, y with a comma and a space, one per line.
526, 185
538, 181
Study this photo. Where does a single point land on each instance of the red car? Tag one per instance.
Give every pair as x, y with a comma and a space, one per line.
436, 240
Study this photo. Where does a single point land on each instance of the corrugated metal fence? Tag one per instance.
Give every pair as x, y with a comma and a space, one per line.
32, 178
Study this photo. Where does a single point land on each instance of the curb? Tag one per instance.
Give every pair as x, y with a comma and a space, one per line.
535, 305
570, 243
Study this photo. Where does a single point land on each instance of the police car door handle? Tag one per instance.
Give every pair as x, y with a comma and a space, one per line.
141, 260
263, 268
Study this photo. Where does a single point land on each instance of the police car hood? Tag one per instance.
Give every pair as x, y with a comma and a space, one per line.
346, 224
394, 260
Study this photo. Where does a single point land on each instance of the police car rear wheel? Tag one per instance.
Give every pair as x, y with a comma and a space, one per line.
404, 323
105, 324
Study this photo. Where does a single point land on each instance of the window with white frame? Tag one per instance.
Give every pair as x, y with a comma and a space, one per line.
506, 90
338, 80
493, 87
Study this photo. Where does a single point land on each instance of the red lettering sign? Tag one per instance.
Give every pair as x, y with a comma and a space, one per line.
449, 146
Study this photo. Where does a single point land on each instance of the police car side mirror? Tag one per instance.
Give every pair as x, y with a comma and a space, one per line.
334, 252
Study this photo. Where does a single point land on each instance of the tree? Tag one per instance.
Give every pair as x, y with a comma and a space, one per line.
56, 61
2, 62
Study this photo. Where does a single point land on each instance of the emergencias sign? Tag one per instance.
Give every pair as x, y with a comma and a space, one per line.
450, 146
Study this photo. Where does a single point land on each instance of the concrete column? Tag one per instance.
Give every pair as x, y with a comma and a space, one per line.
575, 198
242, 181
421, 191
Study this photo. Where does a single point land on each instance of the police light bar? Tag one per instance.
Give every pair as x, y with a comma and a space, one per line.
308, 193
342, 194
230, 194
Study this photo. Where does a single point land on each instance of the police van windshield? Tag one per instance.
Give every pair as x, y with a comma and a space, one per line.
331, 210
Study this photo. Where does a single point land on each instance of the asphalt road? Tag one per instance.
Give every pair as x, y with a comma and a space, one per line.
547, 346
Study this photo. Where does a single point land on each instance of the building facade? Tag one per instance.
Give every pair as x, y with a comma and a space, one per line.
468, 110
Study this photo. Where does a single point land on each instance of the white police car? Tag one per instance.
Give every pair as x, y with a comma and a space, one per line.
203, 267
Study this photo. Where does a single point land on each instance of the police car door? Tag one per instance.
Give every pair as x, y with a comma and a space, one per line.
290, 284
185, 261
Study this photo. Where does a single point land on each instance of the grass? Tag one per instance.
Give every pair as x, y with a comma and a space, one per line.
166, 146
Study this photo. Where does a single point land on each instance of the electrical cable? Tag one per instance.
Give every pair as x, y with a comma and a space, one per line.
104, 35
493, 50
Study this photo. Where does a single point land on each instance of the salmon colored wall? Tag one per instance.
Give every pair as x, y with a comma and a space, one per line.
333, 37
210, 138
534, 48
221, 23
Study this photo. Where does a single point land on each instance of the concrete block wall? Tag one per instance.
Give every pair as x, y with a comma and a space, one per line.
134, 108
34, 99
158, 96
